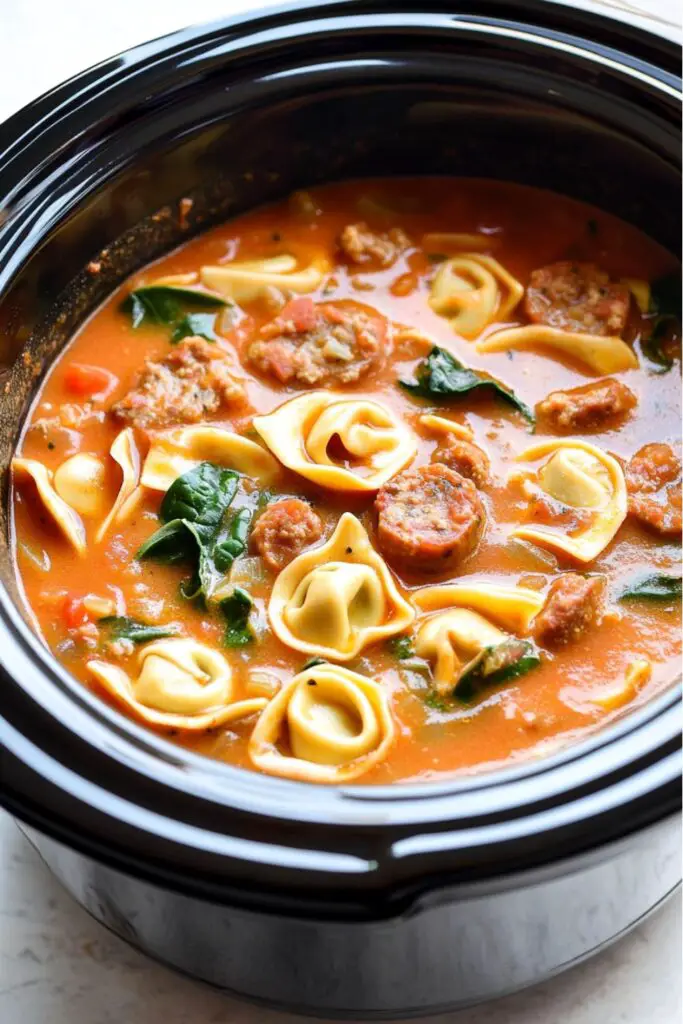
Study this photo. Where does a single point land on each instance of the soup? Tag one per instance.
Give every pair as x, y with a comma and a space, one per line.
377, 484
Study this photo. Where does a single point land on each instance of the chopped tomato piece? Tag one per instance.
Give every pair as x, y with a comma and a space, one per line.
74, 612
302, 312
88, 380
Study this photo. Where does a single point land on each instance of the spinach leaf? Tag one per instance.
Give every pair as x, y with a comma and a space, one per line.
120, 627
665, 307
653, 587
236, 608
201, 325
441, 377
401, 647
499, 664
193, 512
168, 305
313, 663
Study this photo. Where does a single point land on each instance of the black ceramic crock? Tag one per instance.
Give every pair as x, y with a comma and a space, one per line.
333, 901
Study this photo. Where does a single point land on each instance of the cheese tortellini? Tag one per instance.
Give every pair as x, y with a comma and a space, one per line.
580, 476
176, 452
335, 599
512, 606
252, 279
78, 488
472, 291
344, 444
181, 684
123, 451
603, 355
451, 641
62, 514
336, 726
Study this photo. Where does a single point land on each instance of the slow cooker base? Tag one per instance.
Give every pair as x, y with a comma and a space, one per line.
504, 935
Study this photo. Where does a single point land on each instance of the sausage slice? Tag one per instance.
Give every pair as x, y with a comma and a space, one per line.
429, 519
284, 530
653, 481
577, 297
465, 458
573, 605
589, 407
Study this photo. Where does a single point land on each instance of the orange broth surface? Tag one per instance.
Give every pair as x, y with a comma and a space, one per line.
528, 228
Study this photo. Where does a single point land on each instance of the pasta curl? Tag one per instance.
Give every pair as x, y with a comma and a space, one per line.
344, 444
338, 726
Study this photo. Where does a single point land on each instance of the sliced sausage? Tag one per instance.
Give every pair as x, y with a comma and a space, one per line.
319, 345
573, 605
590, 407
195, 379
429, 519
465, 458
283, 530
577, 297
361, 245
653, 481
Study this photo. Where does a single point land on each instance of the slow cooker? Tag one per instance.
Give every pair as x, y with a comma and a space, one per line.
367, 901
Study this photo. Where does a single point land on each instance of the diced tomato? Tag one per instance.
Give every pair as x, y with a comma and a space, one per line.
302, 312
88, 380
74, 612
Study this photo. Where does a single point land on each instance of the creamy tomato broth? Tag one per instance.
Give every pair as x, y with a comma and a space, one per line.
345, 577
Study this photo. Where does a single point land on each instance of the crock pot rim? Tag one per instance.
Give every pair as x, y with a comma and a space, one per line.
425, 793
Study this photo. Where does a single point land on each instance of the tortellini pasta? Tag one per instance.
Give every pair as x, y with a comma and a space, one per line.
123, 451
637, 674
344, 444
78, 488
68, 520
452, 640
441, 425
603, 355
252, 279
176, 452
584, 477
472, 291
335, 599
336, 724
81, 482
181, 684
513, 607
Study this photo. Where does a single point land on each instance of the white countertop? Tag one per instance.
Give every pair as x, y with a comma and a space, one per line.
57, 966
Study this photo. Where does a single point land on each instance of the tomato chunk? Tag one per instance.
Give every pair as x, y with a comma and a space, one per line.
88, 380
74, 612
302, 312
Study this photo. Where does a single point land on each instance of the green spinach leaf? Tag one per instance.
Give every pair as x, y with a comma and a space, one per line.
173, 307
401, 647
236, 608
499, 664
441, 377
120, 627
653, 587
193, 512
313, 663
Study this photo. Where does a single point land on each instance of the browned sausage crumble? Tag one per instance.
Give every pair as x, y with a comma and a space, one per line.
193, 380
465, 458
323, 344
577, 297
590, 407
361, 245
429, 519
653, 480
283, 530
573, 605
